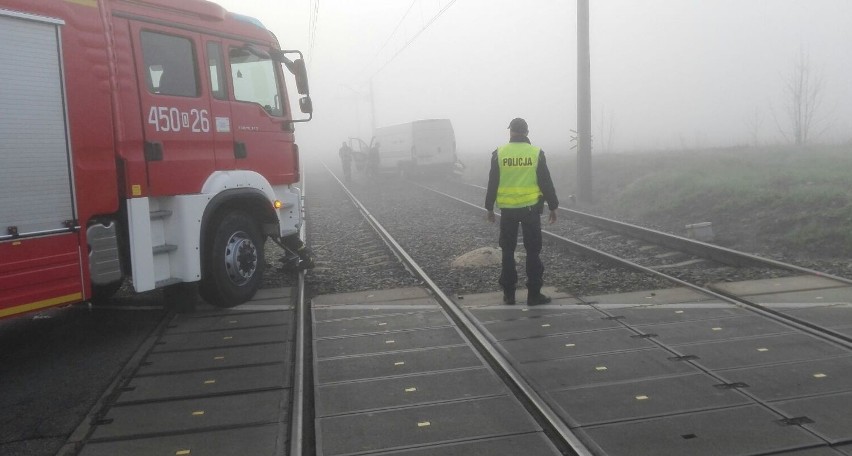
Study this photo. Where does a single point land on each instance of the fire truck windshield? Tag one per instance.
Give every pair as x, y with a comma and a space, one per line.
255, 80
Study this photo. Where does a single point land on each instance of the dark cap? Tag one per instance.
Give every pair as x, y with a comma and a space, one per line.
518, 125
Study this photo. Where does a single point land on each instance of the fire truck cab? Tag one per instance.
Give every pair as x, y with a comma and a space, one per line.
143, 139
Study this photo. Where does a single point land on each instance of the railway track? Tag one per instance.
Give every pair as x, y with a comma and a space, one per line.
524, 371
652, 252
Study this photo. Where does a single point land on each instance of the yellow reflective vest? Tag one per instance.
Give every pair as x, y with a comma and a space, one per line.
518, 187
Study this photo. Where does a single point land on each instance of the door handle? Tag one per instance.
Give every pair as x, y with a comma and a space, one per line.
240, 150
153, 151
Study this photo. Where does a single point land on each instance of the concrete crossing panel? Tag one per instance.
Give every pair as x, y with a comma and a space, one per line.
643, 399
731, 432
387, 342
192, 415
525, 444
545, 325
369, 325
799, 379
760, 351
395, 429
394, 364
214, 358
716, 329
259, 441
830, 415
186, 323
426, 388
574, 344
225, 338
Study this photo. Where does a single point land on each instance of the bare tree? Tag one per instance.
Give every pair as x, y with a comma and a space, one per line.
803, 90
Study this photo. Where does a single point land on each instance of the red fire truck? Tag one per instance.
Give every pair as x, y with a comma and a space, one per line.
142, 139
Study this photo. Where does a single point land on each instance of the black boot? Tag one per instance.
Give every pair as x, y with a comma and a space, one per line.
306, 258
535, 298
509, 296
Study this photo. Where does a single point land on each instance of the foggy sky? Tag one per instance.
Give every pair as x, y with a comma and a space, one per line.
666, 74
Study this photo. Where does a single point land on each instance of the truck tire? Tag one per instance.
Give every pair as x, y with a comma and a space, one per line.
233, 269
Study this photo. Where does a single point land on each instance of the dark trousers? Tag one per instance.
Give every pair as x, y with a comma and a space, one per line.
529, 219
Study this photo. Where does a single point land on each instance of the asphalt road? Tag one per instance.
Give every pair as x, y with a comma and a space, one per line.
55, 364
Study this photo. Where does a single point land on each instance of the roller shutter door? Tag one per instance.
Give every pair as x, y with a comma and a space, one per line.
35, 174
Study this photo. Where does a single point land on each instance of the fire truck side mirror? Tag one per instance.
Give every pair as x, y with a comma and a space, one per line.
301, 74
305, 105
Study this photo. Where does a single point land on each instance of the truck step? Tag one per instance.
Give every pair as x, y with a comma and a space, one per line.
161, 214
167, 282
165, 248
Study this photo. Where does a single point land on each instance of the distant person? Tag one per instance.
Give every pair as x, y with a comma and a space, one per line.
345, 153
519, 182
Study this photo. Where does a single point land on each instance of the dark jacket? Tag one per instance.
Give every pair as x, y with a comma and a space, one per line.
545, 183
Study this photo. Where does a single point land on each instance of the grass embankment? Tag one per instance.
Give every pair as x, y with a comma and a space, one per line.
779, 200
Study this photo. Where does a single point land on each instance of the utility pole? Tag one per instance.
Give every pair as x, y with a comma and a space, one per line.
584, 105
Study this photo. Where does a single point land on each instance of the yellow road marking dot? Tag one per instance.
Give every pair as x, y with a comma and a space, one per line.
820, 375
570, 345
399, 363
600, 368
410, 390
819, 297
424, 424
182, 452
761, 349
390, 341
219, 357
228, 337
717, 329
232, 322
641, 398
525, 310
546, 325
209, 382
382, 324
678, 311
198, 413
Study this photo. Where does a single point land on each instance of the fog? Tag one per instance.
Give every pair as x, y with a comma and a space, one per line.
666, 74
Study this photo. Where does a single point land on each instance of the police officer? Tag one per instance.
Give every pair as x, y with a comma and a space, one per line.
519, 182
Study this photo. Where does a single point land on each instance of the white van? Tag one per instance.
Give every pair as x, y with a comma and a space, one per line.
415, 147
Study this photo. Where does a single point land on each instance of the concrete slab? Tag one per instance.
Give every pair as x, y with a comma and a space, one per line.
496, 298
661, 296
574, 344
531, 444
380, 324
731, 432
599, 369
440, 423
488, 314
264, 294
821, 451
716, 329
584, 320
161, 418
830, 316
411, 295
395, 364
786, 381
421, 389
206, 383
643, 399
368, 310
387, 342
225, 338
260, 440
830, 415
217, 358
760, 351
185, 323
673, 313
845, 449
806, 298
776, 285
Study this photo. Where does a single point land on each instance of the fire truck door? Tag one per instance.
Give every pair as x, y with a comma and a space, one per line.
177, 122
220, 106
260, 114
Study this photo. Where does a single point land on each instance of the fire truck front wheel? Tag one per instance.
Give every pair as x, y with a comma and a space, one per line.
234, 264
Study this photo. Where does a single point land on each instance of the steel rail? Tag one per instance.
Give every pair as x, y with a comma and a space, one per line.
804, 326
698, 248
299, 367
543, 409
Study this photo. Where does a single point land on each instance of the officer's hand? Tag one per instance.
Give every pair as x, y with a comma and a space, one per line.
551, 219
490, 217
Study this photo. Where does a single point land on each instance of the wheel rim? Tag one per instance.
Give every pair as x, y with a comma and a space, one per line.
240, 258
